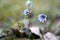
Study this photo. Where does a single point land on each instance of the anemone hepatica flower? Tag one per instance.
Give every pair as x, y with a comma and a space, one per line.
42, 18
28, 4
26, 12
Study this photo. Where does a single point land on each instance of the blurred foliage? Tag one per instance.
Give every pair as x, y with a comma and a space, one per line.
11, 11
20, 24
14, 8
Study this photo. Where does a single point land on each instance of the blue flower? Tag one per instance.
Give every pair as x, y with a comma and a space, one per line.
26, 12
42, 18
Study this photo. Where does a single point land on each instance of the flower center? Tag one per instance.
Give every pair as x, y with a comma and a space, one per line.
27, 12
43, 16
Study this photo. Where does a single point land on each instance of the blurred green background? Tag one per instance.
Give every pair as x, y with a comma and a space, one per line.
11, 11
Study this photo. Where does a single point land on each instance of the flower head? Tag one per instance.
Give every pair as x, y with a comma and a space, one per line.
28, 4
42, 18
26, 12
